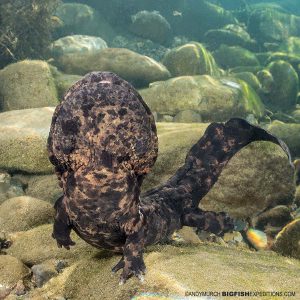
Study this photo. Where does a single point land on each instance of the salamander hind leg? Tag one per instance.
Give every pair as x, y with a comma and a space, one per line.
62, 227
217, 223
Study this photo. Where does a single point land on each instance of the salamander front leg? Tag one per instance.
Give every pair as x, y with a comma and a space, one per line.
62, 227
132, 261
217, 223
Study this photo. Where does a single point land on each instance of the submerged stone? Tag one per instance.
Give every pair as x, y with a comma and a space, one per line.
23, 213
234, 56
77, 44
23, 136
214, 99
27, 84
284, 90
11, 272
138, 69
151, 25
289, 133
190, 59
287, 241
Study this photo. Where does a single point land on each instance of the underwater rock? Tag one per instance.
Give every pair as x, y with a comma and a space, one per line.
188, 116
77, 44
140, 45
64, 81
234, 56
43, 272
250, 79
297, 196
173, 270
36, 245
190, 59
11, 272
197, 17
273, 220
138, 69
257, 177
214, 99
44, 187
27, 84
9, 187
291, 45
287, 241
270, 25
285, 86
23, 136
230, 35
23, 213
296, 115
81, 19
151, 25
289, 133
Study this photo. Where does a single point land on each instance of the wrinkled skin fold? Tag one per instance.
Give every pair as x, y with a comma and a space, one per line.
103, 142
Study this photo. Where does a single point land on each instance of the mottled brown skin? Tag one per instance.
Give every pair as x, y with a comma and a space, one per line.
102, 143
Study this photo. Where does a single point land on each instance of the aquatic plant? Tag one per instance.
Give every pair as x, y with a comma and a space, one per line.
25, 29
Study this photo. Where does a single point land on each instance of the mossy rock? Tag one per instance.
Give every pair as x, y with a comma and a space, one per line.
214, 99
283, 94
138, 69
250, 79
287, 241
297, 196
27, 84
151, 25
64, 82
23, 213
289, 133
9, 188
190, 59
44, 187
171, 271
11, 272
271, 25
23, 138
81, 19
230, 35
36, 245
234, 56
291, 45
77, 44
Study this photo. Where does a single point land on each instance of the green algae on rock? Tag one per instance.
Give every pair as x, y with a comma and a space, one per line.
289, 133
234, 56
190, 59
36, 245
11, 272
151, 25
250, 79
284, 90
27, 84
287, 241
9, 187
44, 187
23, 213
172, 270
23, 136
214, 99
291, 45
138, 69
231, 35
77, 44
64, 81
